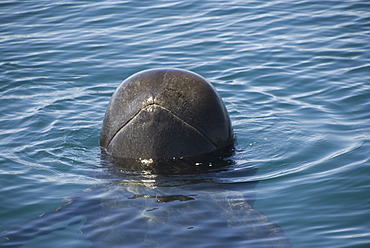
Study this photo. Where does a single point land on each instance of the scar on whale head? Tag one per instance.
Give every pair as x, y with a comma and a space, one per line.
164, 114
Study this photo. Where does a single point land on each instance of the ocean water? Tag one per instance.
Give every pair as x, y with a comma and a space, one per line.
294, 76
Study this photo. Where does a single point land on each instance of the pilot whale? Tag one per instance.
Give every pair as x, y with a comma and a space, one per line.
165, 114
168, 115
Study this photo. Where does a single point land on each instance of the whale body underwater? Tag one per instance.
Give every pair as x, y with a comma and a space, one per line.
165, 114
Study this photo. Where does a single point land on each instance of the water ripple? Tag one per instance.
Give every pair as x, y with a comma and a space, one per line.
294, 76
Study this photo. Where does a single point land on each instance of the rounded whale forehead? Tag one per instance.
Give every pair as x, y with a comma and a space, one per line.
185, 94
176, 89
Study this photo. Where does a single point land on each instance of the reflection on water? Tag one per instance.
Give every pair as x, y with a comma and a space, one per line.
164, 198
211, 162
160, 211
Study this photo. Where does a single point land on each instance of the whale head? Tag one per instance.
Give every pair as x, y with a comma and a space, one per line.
165, 114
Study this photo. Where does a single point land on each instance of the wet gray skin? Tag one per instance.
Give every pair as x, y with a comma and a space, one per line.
164, 114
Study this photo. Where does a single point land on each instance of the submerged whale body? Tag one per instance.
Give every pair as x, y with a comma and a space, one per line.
165, 114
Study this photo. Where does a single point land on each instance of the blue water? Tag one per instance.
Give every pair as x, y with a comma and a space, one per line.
294, 76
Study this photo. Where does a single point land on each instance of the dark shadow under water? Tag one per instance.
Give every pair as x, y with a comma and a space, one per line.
169, 203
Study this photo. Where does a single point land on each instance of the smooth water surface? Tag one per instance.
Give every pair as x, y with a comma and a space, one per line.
294, 76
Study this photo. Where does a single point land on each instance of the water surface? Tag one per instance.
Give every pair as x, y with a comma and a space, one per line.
294, 76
